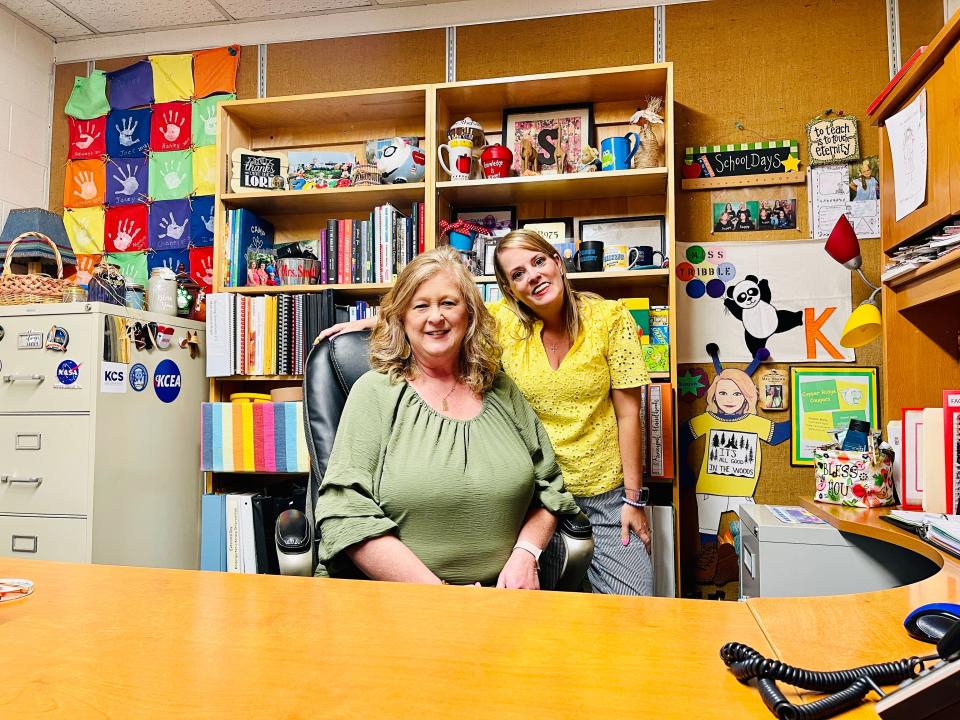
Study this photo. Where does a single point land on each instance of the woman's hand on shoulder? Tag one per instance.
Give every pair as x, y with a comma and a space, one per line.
346, 327
520, 572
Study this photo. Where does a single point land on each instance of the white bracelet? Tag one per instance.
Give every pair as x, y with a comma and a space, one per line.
530, 548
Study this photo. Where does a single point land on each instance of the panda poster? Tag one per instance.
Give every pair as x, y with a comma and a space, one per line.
787, 298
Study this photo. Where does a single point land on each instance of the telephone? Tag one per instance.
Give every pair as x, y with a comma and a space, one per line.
924, 693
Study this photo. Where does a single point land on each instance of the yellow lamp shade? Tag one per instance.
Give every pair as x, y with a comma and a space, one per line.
862, 327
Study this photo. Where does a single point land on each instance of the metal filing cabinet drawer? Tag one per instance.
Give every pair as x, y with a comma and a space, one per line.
44, 538
44, 469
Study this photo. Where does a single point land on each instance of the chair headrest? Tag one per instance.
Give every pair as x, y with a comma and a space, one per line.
346, 354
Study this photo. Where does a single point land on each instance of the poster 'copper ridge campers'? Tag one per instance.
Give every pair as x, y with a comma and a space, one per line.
762, 158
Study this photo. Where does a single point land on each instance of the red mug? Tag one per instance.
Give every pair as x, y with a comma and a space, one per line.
495, 161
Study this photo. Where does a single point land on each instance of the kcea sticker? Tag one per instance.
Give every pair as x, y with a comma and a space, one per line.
68, 372
166, 381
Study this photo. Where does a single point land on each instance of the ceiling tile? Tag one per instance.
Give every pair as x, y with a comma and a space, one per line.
48, 18
246, 9
126, 16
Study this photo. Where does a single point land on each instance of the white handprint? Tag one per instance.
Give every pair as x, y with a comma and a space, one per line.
210, 121
88, 188
128, 180
171, 229
129, 126
208, 174
124, 235
206, 271
208, 222
170, 175
173, 123
88, 134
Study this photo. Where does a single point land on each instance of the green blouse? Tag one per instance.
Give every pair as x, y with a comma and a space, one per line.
456, 492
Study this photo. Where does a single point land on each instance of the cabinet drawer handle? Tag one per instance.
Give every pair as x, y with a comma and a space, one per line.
35, 377
32, 548
26, 481
27, 441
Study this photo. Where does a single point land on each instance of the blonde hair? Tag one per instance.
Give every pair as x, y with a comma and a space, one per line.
390, 351
572, 299
743, 383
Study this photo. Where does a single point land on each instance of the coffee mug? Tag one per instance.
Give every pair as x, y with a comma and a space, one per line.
460, 155
622, 257
589, 258
615, 152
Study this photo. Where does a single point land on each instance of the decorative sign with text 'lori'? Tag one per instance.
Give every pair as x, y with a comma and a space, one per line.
833, 140
721, 161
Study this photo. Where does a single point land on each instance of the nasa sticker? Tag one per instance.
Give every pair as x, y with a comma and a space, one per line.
139, 377
166, 381
68, 372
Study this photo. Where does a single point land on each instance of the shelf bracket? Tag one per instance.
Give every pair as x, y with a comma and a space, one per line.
261, 70
893, 36
451, 64
659, 34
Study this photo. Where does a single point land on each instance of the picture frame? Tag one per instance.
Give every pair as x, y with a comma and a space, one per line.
550, 228
827, 397
497, 220
628, 230
571, 126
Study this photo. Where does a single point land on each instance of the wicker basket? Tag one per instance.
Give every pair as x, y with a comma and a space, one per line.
34, 288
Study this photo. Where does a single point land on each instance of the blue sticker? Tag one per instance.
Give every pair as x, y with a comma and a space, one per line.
139, 377
696, 289
68, 372
166, 381
716, 288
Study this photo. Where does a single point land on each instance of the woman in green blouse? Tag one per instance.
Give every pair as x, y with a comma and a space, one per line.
440, 472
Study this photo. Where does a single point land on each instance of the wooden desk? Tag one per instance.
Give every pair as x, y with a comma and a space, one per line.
117, 642
840, 631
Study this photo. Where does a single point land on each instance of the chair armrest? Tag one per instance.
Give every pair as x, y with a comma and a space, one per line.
294, 539
577, 537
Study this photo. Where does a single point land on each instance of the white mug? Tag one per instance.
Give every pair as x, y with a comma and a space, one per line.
460, 155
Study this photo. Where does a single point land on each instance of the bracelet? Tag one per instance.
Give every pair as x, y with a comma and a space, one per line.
633, 503
641, 500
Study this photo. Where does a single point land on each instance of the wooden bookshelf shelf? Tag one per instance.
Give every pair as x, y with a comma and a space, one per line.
928, 283
359, 290
570, 186
788, 178
340, 200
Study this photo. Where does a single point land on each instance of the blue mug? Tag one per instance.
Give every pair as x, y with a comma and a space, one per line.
615, 152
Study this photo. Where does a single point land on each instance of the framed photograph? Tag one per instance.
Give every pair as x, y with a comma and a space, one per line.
827, 398
497, 220
635, 230
554, 230
568, 127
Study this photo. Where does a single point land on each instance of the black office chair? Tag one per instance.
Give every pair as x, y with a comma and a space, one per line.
331, 369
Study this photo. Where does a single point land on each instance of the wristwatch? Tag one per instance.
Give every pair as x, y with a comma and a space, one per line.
530, 548
643, 497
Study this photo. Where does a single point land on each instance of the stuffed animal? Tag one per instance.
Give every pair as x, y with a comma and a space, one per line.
589, 160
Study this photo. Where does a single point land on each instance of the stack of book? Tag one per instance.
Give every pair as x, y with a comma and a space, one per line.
245, 231
237, 530
374, 250
490, 292
911, 257
653, 327
270, 334
930, 465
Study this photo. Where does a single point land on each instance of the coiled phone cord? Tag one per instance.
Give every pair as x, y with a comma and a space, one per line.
849, 687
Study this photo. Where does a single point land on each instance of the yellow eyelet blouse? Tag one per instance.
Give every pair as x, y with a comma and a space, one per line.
573, 402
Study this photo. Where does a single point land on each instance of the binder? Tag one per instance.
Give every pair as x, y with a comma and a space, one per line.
213, 546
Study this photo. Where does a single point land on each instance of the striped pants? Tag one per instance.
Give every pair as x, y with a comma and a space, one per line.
617, 569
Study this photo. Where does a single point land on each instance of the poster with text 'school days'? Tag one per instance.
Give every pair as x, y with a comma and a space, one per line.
825, 399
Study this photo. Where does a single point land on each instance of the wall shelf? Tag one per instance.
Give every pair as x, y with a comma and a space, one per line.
715, 183
334, 200
928, 283
570, 186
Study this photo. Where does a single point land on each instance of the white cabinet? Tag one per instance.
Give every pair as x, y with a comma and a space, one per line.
99, 444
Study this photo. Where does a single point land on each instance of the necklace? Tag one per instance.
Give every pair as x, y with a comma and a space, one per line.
443, 400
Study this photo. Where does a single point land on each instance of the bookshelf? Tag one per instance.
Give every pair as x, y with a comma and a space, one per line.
344, 121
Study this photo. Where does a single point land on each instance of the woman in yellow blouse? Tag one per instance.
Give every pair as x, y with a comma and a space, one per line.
577, 359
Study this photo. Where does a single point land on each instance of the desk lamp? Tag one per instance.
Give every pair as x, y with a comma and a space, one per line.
863, 325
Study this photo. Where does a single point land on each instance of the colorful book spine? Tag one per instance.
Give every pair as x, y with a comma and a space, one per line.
253, 437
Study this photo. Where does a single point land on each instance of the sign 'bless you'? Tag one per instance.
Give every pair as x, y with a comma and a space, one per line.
762, 158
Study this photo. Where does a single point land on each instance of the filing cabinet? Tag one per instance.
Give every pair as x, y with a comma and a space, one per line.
100, 442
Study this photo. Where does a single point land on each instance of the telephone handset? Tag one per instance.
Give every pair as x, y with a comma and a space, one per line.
925, 694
